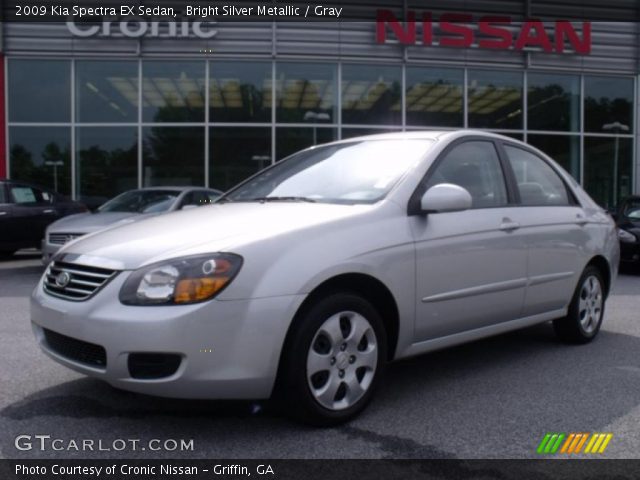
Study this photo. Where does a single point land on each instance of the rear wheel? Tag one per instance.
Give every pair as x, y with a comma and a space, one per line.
334, 359
584, 318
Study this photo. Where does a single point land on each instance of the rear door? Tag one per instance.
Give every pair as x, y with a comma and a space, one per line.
7, 227
26, 213
554, 224
471, 265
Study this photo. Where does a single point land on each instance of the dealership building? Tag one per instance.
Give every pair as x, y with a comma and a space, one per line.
95, 109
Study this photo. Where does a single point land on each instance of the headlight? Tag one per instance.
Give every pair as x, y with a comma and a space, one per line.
181, 281
626, 237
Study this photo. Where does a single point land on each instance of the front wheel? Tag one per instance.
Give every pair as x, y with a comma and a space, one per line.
334, 360
584, 318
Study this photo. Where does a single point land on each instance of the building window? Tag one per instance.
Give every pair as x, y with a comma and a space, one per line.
371, 95
240, 92
106, 162
607, 169
236, 153
434, 97
608, 105
173, 91
290, 140
40, 91
495, 99
173, 156
359, 132
553, 102
106, 92
42, 155
306, 93
564, 149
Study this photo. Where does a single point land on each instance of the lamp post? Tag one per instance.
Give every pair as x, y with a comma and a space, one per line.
262, 159
617, 128
55, 164
315, 116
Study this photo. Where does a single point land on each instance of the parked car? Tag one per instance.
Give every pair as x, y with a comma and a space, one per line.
628, 219
124, 208
25, 212
306, 279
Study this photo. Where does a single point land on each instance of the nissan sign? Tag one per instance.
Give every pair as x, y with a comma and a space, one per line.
462, 30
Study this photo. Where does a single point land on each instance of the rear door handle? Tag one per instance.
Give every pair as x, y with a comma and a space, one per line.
509, 226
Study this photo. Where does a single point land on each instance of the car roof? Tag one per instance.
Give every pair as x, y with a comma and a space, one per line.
172, 188
429, 135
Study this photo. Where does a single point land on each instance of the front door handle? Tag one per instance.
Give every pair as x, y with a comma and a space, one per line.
509, 225
2, 213
49, 211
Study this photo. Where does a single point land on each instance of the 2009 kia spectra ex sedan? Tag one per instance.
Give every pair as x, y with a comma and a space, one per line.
306, 279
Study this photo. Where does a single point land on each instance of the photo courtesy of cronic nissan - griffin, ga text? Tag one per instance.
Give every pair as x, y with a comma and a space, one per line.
305, 280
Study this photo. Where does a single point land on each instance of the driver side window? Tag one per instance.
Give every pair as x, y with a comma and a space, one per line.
475, 166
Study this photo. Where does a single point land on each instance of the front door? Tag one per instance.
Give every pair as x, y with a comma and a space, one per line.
471, 265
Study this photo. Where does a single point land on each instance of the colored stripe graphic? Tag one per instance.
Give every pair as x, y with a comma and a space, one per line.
605, 444
572, 443
567, 443
583, 439
550, 443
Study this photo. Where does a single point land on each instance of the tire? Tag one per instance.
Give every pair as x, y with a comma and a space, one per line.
584, 318
333, 360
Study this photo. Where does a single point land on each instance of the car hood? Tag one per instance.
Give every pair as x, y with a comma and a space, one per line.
90, 222
212, 228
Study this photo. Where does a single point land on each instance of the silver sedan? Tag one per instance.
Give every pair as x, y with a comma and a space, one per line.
125, 208
304, 281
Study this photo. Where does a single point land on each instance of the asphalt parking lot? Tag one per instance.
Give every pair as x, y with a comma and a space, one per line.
491, 399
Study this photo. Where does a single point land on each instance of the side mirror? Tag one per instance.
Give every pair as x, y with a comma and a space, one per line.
445, 197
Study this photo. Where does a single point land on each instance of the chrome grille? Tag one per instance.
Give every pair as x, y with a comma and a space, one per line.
62, 238
76, 282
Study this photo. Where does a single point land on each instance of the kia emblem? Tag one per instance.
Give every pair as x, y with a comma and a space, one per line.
63, 279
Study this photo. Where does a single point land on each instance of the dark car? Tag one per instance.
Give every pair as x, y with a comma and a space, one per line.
628, 220
25, 213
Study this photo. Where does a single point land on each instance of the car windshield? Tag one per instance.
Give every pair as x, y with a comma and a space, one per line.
141, 201
354, 172
632, 210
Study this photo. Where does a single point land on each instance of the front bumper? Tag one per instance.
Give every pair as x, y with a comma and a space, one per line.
630, 252
228, 349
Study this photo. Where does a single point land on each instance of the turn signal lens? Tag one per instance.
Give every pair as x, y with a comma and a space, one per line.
198, 289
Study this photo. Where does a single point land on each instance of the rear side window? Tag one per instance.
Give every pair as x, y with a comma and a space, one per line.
538, 183
632, 210
475, 166
24, 195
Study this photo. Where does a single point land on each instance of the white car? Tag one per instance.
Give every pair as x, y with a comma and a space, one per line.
307, 278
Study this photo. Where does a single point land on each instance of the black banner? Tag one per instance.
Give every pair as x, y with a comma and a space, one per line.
320, 469
296, 10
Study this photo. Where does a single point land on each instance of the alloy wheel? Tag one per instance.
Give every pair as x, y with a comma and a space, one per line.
590, 304
342, 360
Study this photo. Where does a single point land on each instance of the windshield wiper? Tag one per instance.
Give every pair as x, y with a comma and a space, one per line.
281, 199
